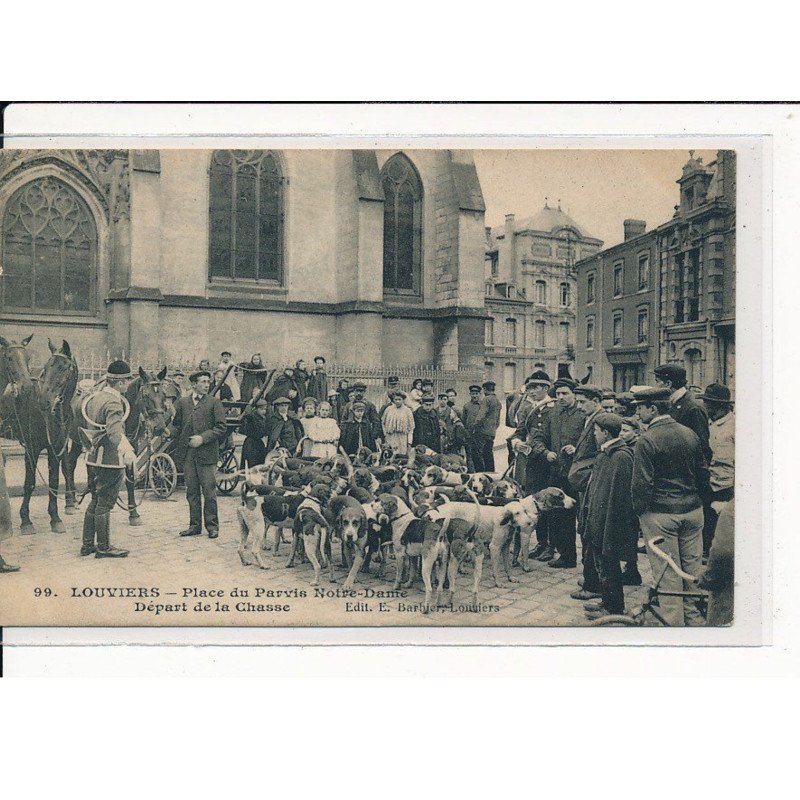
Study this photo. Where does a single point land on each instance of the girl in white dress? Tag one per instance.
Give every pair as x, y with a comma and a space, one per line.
322, 432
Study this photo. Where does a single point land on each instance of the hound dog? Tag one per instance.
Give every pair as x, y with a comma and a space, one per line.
505, 490
495, 526
311, 527
252, 530
279, 511
436, 476
480, 483
355, 523
413, 537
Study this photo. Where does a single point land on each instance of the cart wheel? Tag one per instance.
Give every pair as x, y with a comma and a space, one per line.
139, 490
227, 470
163, 475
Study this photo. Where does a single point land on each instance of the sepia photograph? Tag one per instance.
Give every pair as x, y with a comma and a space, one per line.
485, 387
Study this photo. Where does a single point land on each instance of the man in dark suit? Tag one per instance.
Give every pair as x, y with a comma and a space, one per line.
587, 398
199, 425
556, 443
684, 407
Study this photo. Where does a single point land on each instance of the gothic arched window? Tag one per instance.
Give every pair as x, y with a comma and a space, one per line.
402, 226
245, 216
49, 250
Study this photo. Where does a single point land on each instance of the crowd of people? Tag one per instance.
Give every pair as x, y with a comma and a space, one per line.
657, 461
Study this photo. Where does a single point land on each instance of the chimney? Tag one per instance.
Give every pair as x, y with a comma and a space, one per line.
634, 228
511, 244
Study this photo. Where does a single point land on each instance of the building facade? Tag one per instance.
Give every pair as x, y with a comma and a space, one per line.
531, 295
667, 295
168, 256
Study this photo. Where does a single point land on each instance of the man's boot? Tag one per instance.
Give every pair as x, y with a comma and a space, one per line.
104, 548
88, 547
4, 567
548, 554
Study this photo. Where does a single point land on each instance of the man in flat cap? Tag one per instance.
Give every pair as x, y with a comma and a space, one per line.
485, 425
608, 401
556, 442
610, 522
357, 431
722, 440
469, 416
370, 411
285, 429
108, 454
199, 425
426, 425
684, 407
670, 476
587, 398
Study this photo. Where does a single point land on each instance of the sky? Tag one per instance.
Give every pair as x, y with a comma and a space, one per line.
598, 188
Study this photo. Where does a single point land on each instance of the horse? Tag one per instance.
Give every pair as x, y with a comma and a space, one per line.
40, 415
149, 416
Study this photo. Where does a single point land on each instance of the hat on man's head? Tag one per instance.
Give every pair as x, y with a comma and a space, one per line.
674, 373
538, 378
588, 390
717, 393
489, 386
201, 373
392, 380
427, 382
609, 394
428, 398
320, 358
609, 422
119, 369
281, 401
358, 404
360, 385
442, 395
626, 399
261, 403
225, 353
566, 382
474, 387
651, 394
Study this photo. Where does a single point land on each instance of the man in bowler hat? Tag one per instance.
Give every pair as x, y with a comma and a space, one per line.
199, 425
684, 407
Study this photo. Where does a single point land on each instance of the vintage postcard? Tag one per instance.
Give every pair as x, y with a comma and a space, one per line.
477, 386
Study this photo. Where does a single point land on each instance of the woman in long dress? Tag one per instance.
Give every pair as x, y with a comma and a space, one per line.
322, 433
398, 424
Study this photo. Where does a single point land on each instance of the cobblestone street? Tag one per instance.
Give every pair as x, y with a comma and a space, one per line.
160, 559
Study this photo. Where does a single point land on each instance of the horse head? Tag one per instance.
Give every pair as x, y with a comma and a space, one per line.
151, 400
15, 375
59, 378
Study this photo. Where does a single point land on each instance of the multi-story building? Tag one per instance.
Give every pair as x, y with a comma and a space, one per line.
667, 295
367, 257
617, 336
530, 295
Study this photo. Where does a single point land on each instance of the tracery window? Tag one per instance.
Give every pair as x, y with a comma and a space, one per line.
245, 216
49, 250
402, 226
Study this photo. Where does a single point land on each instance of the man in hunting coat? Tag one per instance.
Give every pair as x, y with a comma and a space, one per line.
426, 425
108, 454
199, 425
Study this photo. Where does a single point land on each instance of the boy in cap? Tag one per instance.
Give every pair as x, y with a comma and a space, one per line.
357, 431
199, 425
610, 522
285, 430
108, 454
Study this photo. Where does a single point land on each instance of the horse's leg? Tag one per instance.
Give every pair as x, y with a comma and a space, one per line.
53, 466
68, 463
133, 513
26, 526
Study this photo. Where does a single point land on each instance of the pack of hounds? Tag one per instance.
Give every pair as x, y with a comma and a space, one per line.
427, 513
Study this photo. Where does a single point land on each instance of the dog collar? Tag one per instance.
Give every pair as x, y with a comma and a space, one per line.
400, 516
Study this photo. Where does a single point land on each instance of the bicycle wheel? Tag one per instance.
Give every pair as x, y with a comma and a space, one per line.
615, 619
162, 475
227, 468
